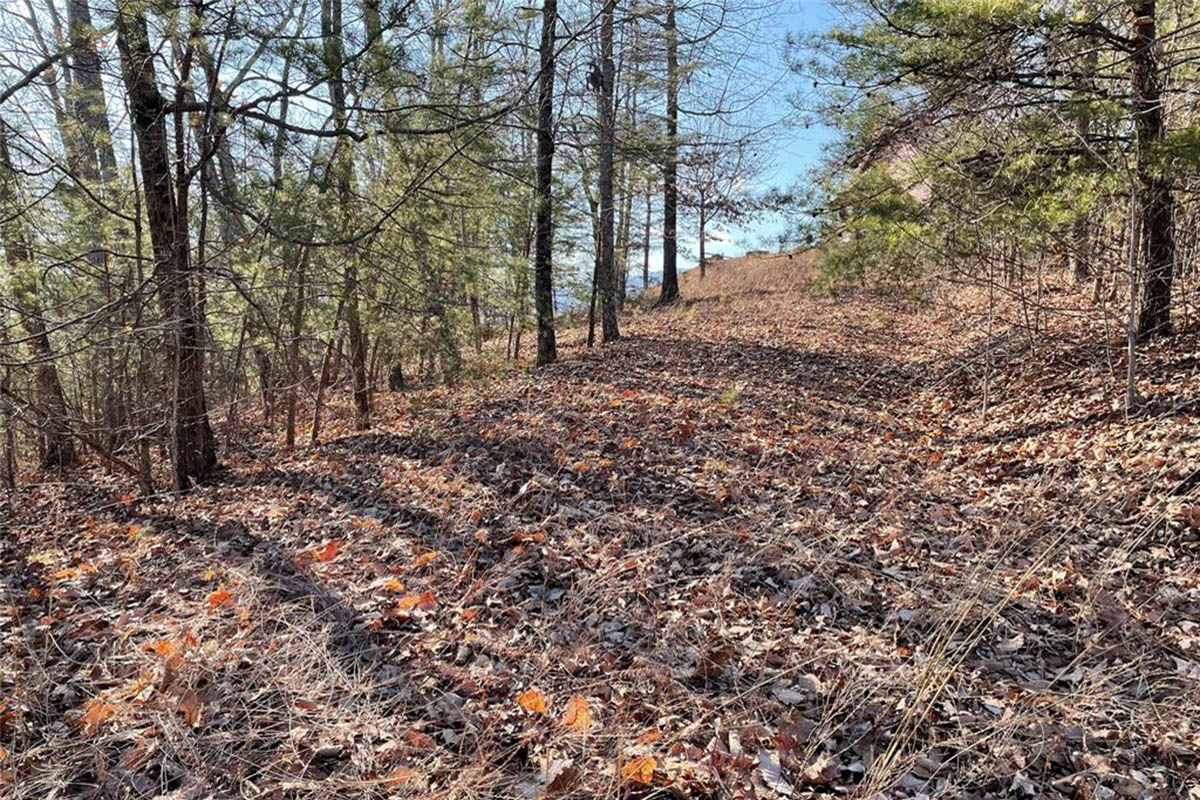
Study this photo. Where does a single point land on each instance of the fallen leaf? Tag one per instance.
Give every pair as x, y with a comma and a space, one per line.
650, 737
562, 777
640, 770
329, 552
221, 597
191, 704
423, 559
96, 712
416, 602
533, 701
579, 716
772, 773
400, 776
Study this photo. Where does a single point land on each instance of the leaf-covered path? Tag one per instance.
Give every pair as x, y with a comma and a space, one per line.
767, 545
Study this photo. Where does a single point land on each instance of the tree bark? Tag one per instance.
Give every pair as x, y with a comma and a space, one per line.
193, 445
670, 278
58, 446
606, 277
331, 31
543, 283
1156, 203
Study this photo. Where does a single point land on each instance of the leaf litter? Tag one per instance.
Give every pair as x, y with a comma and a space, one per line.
768, 545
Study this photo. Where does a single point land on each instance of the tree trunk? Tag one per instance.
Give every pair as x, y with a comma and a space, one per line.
1156, 204
193, 445
646, 246
58, 445
606, 277
543, 285
703, 223
331, 31
670, 278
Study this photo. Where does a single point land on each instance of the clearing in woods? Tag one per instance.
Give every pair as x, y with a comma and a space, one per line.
771, 544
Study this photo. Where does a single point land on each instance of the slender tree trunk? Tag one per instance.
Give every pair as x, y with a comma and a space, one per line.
1157, 205
58, 445
193, 446
543, 288
606, 277
670, 279
10, 432
703, 235
646, 245
331, 30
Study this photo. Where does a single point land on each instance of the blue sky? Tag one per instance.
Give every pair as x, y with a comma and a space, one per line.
796, 151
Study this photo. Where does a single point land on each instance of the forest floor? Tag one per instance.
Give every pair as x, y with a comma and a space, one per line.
769, 544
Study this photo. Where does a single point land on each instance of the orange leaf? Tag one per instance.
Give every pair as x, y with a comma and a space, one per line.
165, 647
533, 701
423, 559
421, 602
470, 613
221, 597
579, 716
96, 712
329, 552
394, 585
640, 770
126, 500
628, 442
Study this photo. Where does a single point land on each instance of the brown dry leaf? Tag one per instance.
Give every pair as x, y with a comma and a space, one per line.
305, 705
400, 776
640, 770
578, 717
532, 701
562, 778
221, 597
423, 559
650, 737
418, 740
96, 712
191, 704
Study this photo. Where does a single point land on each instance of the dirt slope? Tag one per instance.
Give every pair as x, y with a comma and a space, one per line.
769, 544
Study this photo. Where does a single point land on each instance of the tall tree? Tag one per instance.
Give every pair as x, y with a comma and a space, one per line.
1156, 205
193, 448
343, 175
543, 290
58, 445
670, 279
606, 273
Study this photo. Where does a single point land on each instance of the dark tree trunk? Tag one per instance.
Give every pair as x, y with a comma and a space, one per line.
193, 446
606, 274
543, 285
703, 234
670, 278
1156, 203
58, 444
